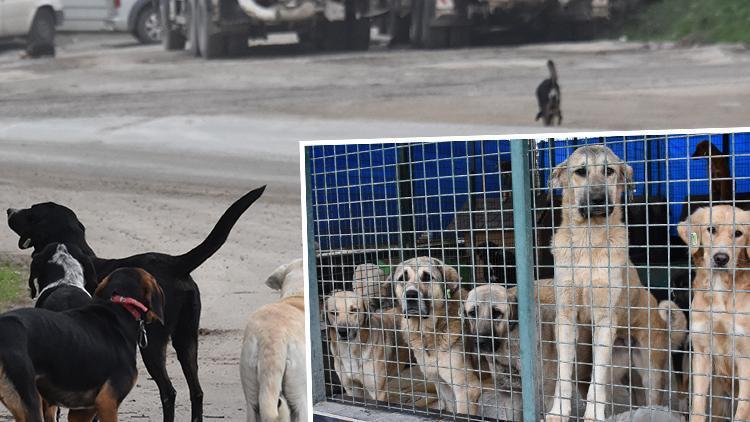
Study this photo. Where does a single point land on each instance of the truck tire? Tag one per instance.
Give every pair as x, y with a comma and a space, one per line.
171, 38
191, 27
147, 26
41, 38
211, 42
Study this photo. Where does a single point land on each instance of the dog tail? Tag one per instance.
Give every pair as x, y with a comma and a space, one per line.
198, 255
272, 404
552, 70
676, 321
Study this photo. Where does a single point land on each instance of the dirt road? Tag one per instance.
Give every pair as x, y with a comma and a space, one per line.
150, 147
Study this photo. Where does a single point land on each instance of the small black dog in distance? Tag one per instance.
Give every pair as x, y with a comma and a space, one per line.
549, 97
61, 278
48, 222
83, 359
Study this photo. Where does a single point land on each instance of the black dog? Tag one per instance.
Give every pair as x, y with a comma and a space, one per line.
48, 222
549, 97
62, 276
84, 358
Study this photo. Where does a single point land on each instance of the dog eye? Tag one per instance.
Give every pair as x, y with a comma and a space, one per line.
711, 229
471, 313
581, 171
610, 171
737, 233
496, 314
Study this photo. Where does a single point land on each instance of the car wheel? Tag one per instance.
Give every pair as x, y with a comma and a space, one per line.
41, 38
210, 42
148, 27
171, 37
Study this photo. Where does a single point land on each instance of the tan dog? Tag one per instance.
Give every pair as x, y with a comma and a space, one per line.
718, 238
592, 268
272, 362
492, 314
369, 283
364, 345
430, 298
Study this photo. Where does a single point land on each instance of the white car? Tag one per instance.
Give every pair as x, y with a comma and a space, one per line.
34, 20
137, 17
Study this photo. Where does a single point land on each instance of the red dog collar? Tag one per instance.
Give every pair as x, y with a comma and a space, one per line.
133, 306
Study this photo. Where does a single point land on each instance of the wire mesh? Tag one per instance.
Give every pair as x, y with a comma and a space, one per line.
640, 244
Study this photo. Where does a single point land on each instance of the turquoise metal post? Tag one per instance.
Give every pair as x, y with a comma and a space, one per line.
519, 153
316, 346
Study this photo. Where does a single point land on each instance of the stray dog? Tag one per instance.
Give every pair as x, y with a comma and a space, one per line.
594, 278
492, 314
366, 353
718, 170
48, 222
549, 97
430, 298
61, 278
370, 284
719, 242
272, 362
83, 359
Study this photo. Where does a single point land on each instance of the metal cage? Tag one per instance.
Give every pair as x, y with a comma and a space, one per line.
597, 277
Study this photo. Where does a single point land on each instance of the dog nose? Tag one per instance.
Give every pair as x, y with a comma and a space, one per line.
11, 211
721, 259
412, 294
598, 200
343, 332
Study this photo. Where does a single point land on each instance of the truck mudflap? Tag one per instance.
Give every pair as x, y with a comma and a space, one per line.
279, 12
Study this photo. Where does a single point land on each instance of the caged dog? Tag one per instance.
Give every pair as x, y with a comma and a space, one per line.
430, 297
61, 277
272, 361
48, 222
595, 280
82, 359
718, 238
492, 312
549, 97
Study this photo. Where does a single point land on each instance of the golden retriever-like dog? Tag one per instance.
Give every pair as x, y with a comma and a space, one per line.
595, 280
272, 361
366, 352
719, 242
430, 298
492, 314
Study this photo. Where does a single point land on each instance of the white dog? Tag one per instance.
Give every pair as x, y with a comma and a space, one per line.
272, 363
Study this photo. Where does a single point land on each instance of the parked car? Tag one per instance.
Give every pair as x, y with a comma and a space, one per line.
137, 17
33, 20
85, 15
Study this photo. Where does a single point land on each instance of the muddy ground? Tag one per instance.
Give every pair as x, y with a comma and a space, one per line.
149, 147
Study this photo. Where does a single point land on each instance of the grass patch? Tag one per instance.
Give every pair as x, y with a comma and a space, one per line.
694, 21
11, 284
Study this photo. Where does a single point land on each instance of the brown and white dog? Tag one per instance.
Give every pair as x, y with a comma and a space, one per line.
430, 298
719, 242
492, 314
272, 361
595, 282
366, 350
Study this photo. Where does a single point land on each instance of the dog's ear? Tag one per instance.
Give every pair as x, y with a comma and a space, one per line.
691, 231
451, 278
559, 177
276, 279
154, 298
512, 298
626, 179
33, 274
82, 227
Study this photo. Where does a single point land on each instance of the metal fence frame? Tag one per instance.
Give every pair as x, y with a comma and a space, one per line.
522, 188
